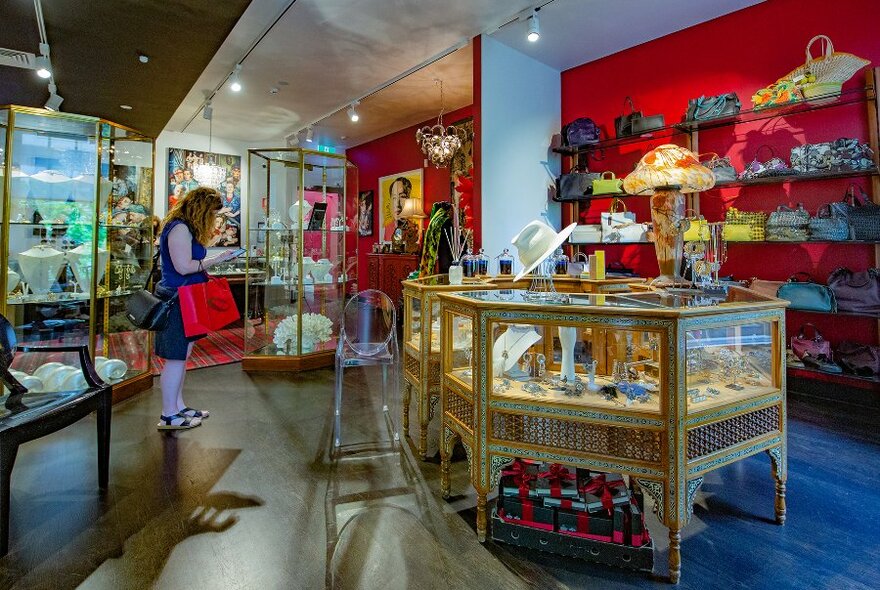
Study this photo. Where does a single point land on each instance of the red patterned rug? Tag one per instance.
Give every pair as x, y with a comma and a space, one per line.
217, 348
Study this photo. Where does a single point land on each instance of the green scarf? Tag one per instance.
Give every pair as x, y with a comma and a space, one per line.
432, 237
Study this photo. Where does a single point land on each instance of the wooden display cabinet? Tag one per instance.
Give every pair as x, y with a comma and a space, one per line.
714, 368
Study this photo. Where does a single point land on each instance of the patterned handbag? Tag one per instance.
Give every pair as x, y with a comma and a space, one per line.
849, 154
756, 220
812, 157
788, 225
864, 217
768, 168
829, 225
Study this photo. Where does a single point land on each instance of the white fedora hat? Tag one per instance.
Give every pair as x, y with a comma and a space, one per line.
537, 241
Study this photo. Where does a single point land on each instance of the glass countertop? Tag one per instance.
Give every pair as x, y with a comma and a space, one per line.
679, 299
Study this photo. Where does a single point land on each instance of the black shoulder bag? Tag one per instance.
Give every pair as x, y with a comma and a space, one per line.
145, 310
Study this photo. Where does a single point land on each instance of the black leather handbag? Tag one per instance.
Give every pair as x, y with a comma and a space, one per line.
145, 310
713, 107
581, 131
635, 123
574, 186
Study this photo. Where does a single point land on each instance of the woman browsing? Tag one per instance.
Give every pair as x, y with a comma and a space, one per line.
186, 230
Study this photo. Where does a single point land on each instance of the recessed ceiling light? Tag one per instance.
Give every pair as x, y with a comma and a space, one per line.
273, 90
143, 58
126, 107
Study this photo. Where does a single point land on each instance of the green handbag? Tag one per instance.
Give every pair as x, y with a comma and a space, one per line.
607, 186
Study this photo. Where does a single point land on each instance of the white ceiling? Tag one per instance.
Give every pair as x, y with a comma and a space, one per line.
574, 32
330, 52
322, 54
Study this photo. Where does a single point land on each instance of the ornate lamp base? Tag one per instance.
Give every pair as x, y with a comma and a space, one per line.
667, 213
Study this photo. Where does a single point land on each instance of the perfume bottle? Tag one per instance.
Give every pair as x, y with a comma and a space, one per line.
560, 262
469, 264
482, 263
505, 263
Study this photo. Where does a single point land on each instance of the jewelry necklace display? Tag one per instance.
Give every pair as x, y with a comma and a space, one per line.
40, 266
81, 262
510, 346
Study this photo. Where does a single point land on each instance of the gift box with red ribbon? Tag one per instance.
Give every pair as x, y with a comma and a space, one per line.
527, 512
602, 490
598, 526
519, 479
567, 503
557, 482
638, 532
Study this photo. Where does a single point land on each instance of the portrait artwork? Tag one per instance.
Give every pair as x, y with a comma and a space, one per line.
393, 192
365, 213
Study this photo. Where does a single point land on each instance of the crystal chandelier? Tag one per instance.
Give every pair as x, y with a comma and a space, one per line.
439, 143
209, 173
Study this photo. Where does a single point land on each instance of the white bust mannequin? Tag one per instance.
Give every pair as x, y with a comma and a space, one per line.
510, 346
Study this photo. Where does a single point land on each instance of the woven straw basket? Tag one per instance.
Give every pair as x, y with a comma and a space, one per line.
831, 66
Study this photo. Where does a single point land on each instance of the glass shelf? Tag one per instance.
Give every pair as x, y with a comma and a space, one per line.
662, 133
805, 176
847, 97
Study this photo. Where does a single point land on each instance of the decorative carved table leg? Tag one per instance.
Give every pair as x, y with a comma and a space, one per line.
444, 470
674, 555
779, 471
481, 516
423, 439
407, 396
780, 502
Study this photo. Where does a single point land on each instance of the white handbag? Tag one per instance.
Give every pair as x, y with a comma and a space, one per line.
620, 226
586, 234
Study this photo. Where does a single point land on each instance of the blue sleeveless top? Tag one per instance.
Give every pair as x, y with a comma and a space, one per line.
171, 279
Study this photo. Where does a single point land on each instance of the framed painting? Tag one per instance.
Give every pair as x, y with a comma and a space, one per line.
183, 177
365, 213
394, 189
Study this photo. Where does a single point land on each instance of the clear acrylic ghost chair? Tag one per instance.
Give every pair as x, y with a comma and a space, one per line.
368, 337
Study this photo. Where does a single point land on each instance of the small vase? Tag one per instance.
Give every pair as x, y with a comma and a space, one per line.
456, 274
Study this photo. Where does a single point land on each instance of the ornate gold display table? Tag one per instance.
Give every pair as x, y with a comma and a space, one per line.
421, 339
709, 371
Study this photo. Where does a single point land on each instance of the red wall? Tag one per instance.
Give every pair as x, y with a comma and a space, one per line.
740, 52
398, 152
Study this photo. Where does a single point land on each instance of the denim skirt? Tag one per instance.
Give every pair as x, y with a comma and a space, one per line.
170, 343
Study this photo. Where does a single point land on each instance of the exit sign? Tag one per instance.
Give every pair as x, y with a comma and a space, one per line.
327, 149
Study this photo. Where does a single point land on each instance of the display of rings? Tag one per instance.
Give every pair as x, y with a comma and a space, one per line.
532, 388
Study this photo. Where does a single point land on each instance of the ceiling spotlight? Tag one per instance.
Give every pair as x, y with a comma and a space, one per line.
125, 107
43, 68
534, 28
235, 86
310, 134
54, 102
208, 111
292, 139
143, 58
352, 113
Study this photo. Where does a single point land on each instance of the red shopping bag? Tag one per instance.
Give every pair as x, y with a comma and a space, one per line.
206, 306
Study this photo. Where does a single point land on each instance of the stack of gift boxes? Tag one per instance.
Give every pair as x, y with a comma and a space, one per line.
579, 503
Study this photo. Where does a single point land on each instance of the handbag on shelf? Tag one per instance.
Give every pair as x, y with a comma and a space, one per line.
807, 295
586, 234
774, 166
788, 225
721, 168
574, 186
831, 67
607, 186
756, 221
146, 311
812, 157
207, 307
621, 226
635, 123
815, 347
784, 91
829, 225
736, 232
859, 359
698, 228
713, 107
856, 292
765, 288
848, 154
581, 131
863, 215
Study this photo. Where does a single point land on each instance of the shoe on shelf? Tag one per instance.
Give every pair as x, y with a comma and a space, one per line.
821, 363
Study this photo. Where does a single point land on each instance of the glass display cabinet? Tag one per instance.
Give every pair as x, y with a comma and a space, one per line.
664, 387
76, 240
302, 257
421, 348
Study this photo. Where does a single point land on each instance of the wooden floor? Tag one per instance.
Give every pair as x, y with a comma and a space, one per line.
250, 500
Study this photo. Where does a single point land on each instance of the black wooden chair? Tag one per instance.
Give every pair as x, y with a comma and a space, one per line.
27, 416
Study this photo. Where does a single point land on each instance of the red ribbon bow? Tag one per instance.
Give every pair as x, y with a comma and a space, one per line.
522, 480
515, 468
557, 472
602, 489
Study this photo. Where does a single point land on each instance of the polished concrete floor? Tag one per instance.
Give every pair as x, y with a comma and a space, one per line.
251, 500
